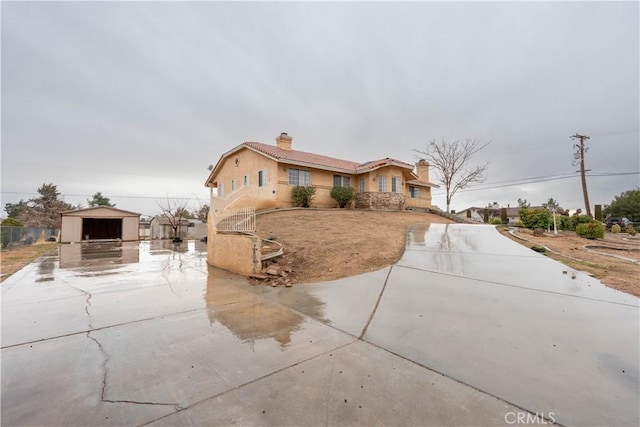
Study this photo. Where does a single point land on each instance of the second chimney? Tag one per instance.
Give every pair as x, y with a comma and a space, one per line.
283, 141
422, 170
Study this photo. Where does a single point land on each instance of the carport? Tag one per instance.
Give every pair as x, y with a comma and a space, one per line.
99, 223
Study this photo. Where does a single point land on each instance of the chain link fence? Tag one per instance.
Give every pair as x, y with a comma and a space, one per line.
13, 237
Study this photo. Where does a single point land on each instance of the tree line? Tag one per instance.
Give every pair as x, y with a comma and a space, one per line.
44, 210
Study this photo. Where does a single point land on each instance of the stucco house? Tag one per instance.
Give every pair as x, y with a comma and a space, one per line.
161, 228
494, 211
477, 214
259, 175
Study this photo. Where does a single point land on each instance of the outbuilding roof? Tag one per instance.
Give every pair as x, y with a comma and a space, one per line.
89, 210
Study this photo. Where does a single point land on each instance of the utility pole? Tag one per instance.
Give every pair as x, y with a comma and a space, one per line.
580, 154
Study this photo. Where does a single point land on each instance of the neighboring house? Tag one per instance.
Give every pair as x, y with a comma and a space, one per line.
262, 176
477, 214
145, 228
196, 229
161, 228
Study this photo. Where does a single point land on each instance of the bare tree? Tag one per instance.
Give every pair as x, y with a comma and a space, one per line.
174, 209
451, 160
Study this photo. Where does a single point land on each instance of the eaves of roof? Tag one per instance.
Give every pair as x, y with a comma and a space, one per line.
422, 183
302, 158
99, 207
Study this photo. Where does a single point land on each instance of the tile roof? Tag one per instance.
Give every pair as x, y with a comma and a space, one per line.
301, 156
321, 161
422, 183
314, 160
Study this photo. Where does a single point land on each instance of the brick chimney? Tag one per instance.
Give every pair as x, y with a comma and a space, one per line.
283, 141
422, 170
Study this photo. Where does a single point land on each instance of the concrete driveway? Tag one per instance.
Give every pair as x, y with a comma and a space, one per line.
468, 328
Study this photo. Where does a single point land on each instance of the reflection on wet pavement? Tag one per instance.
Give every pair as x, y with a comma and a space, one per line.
98, 258
247, 316
45, 269
148, 333
137, 331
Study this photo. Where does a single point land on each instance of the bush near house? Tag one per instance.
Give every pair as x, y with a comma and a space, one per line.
535, 218
302, 196
591, 230
496, 221
342, 195
571, 222
631, 230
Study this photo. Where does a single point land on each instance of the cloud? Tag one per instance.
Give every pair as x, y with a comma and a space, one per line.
138, 97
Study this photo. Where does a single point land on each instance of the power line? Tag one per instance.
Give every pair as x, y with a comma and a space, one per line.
534, 180
110, 196
522, 182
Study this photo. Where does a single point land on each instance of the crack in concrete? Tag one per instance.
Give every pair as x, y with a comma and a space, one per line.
87, 304
115, 325
375, 308
134, 402
105, 357
255, 380
103, 391
169, 284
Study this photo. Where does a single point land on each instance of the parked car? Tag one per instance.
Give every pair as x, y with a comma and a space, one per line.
621, 221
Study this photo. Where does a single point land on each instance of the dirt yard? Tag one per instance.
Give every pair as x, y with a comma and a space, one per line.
330, 244
569, 249
13, 260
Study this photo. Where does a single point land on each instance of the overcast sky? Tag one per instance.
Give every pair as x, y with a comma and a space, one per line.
136, 99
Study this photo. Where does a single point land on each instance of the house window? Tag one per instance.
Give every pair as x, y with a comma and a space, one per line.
341, 181
361, 184
233, 184
221, 190
382, 184
396, 184
414, 192
246, 181
299, 177
262, 178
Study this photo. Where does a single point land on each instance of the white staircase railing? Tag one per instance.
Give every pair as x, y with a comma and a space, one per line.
252, 193
241, 220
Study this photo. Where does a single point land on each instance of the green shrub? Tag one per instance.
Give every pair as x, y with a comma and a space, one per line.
591, 230
503, 216
630, 230
518, 224
564, 222
302, 196
496, 221
615, 229
539, 249
342, 195
535, 218
12, 222
580, 219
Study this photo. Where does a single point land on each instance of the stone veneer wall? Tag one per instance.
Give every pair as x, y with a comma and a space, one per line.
380, 201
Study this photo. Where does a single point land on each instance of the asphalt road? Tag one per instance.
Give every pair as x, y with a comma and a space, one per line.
468, 328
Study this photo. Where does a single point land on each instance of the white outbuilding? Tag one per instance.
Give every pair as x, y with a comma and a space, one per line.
99, 223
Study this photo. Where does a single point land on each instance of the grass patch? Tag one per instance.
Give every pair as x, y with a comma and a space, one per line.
15, 259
